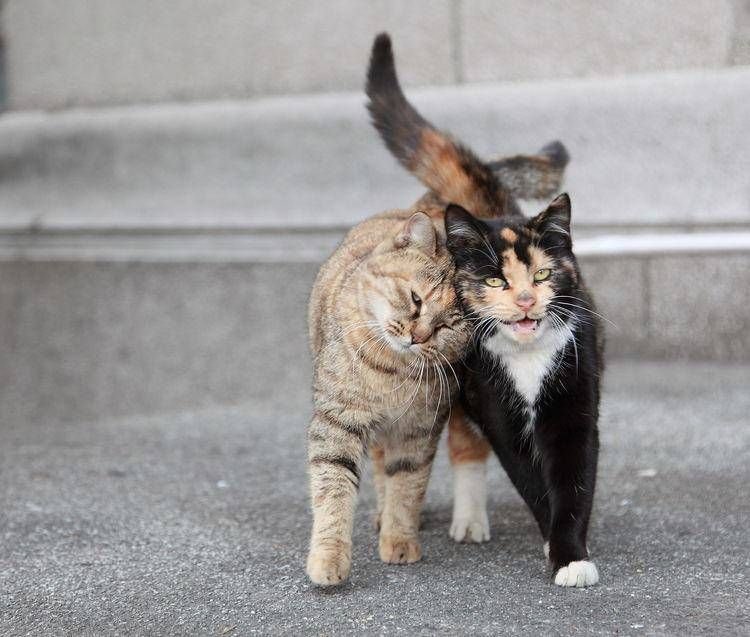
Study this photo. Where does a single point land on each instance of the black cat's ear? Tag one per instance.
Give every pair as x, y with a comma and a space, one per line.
418, 232
462, 229
553, 224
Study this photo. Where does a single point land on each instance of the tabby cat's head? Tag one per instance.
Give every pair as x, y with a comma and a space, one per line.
408, 292
513, 275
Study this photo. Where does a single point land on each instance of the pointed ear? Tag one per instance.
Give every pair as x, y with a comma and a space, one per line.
462, 229
554, 222
418, 232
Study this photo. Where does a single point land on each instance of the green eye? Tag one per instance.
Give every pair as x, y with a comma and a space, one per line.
495, 282
542, 275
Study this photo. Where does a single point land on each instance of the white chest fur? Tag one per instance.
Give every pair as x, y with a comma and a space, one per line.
528, 364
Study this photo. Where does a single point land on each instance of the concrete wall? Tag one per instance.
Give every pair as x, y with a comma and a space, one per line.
92, 340
120, 51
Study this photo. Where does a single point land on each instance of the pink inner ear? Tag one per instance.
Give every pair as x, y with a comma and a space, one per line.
418, 232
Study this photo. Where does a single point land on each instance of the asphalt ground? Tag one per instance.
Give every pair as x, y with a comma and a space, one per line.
197, 523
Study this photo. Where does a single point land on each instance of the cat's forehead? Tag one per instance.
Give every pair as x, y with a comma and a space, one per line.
415, 268
516, 243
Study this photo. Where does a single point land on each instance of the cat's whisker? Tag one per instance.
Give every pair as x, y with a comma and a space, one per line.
414, 395
579, 307
427, 385
409, 370
439, 402
447, 362
565, 326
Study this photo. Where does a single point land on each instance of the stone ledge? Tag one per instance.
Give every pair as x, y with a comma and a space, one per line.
659, 149
307, 245
89, 338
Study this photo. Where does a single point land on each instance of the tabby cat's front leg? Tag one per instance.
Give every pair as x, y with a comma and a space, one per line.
407, 471
377, 454
336, 446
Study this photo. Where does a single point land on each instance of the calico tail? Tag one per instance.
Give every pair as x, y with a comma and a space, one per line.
451, 170
537, 176
444, 166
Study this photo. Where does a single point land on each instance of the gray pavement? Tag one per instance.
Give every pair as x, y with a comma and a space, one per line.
197, 523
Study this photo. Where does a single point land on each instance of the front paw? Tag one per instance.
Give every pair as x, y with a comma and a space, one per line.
328, 567
471, 528
399, 550
579, 574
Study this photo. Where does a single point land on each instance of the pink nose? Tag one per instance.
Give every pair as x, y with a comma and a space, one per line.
420, 334
525, 300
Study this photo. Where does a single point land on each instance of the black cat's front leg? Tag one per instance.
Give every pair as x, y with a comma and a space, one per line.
569, 458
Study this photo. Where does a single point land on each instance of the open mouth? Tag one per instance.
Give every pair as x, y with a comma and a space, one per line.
524, 326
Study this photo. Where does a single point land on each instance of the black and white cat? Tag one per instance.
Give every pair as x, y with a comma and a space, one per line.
532, 377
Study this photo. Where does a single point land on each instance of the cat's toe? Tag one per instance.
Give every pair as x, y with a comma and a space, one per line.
579, 574
326, 568
399, 550
470, 529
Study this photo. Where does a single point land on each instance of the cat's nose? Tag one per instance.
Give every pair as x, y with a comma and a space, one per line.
420, 334
525, 300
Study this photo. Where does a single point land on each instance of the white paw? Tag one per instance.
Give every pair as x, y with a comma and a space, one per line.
579, 574
470, 522
471, 529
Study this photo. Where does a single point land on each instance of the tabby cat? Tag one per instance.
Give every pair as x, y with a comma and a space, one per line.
385, 327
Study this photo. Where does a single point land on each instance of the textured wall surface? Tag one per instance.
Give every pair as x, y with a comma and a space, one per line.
669, 149
85, 341
121, 51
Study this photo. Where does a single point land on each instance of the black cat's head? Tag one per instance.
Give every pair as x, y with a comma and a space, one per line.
513, 275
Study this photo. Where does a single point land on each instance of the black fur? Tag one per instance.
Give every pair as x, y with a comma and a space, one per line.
397, 121
553, 465
402, 128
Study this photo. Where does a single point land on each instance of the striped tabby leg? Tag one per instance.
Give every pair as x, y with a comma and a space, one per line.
468, 450
407, 473
378, 473
336, 446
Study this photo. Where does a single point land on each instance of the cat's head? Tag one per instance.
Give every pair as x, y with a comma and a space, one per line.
407, 291
513, 275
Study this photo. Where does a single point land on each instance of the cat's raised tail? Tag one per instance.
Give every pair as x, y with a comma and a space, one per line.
446, 167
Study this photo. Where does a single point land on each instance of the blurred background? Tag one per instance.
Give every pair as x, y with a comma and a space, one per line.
172, 174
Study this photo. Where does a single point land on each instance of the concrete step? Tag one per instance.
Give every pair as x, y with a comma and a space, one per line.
157, 258
88, 336
664, 149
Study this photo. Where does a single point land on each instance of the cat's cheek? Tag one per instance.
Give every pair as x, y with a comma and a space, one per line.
380, 309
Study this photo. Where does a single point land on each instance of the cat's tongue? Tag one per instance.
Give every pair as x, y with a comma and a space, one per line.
524, 326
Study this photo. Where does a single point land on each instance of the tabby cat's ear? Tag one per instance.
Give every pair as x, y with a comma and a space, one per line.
463, 231
554, 222
418, 232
